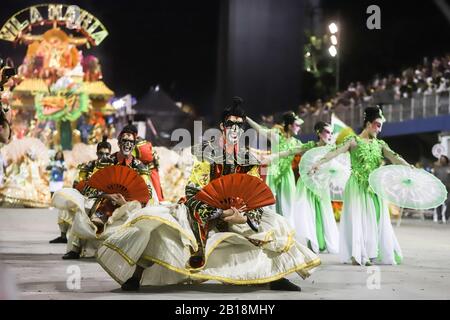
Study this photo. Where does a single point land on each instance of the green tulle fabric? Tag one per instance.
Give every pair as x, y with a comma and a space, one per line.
282, 165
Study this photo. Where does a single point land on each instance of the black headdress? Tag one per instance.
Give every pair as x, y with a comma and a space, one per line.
104, 144
235, 109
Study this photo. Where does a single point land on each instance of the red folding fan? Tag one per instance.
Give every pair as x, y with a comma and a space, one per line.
236, 190
123, 180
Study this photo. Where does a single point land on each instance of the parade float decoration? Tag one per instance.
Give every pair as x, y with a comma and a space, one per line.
62, 102
59, 83
59, 102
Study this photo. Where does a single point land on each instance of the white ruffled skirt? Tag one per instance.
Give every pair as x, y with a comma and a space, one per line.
311, 211
81, 232
363, 236
160, 238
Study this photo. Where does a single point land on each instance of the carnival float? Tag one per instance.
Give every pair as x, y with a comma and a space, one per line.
61, 103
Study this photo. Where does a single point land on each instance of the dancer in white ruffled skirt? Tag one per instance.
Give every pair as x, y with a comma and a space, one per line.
192, 241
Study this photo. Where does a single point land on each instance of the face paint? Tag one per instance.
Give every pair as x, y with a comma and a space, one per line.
230, 124
375, 128
233, 130
126, 146
326, 135
103, 155
295, 128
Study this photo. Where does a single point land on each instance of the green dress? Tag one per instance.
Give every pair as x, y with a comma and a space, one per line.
280, 177
314, 220
366, 233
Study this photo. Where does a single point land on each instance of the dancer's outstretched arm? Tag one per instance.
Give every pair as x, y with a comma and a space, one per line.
293, 151
261, 130
351, 143
393, 156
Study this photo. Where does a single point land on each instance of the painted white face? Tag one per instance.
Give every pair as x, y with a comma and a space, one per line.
295, 127
375, 127
103, 154
326, 135
126, 143
233, 129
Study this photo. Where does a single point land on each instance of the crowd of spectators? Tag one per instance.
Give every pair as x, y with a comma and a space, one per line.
430, 77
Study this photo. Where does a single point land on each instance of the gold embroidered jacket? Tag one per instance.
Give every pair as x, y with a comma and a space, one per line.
133, 163
211, 163
86, 170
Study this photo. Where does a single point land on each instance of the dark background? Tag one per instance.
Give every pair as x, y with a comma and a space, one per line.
176, 44
410, 31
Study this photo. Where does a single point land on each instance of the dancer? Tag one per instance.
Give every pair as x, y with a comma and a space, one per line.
100, 214
312, 216
8, 81
314, 220
65, 217
194, 241
145, 152
5, 117
442, 172
56, 167
127, 142
366, 233
85, 170
25, 182
280, 176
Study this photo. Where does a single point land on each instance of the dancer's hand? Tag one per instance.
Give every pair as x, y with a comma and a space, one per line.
243, 208
268, 158
236, 218
120, 200
227, 213
313, 169
230, 212
116, 199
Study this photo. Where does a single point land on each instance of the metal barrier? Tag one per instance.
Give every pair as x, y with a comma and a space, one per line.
417, 107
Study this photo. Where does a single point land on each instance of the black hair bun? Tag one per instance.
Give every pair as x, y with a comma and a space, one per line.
319, 126
289, 117
372, 113
234, 110
129, 128
105, 138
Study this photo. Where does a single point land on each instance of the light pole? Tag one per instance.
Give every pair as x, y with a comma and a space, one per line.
334, 49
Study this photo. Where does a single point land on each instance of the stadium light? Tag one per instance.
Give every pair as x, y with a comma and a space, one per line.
332, 50
333, 28
334, 40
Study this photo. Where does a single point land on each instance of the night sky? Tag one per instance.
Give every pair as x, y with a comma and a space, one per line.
174, 43
410, 30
